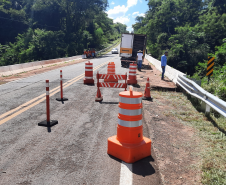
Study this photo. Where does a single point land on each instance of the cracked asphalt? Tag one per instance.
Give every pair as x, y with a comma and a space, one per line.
75, 151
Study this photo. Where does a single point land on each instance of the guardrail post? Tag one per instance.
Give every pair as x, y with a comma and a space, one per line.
205, 108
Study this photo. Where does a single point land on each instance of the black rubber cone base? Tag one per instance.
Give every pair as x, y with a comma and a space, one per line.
147, 98
99, 99
62, 99
46, 124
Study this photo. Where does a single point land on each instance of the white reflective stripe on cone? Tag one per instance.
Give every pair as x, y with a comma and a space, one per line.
130, 112
89, 65
89, 69
130, 100
98, 98
129, 123
47, 84
132, 66
131, 70
47, 92
131, 74
88, 77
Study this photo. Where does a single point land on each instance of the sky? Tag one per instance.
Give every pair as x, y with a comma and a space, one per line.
125, 11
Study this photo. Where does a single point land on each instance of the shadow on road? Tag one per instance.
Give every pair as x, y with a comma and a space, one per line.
106, 55
109, 102
147, 67
143, 167
90, 84
136, 85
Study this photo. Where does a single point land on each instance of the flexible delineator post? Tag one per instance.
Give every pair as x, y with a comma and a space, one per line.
61, 89
47, 102
61, 84
47, 122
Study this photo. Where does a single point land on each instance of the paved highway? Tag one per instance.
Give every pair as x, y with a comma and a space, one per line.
75, 151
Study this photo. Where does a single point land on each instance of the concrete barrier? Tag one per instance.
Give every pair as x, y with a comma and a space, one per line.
5, 71
27, 66
16, 68
170, 72
19, 68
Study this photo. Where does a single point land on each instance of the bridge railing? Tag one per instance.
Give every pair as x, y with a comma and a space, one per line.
179, 78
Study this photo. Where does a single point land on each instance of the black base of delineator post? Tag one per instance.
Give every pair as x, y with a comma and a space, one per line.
46, 124
62, 99
149, 98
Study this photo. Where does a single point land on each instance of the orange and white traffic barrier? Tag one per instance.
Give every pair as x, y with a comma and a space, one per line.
88, 73
61, 89
147, 94
111, 71
132, 80
47, 122
129, 144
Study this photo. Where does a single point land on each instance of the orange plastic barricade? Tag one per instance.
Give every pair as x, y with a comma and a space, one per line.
111, 71
88, 73
132, 80
129, 144
99, 98
147, 94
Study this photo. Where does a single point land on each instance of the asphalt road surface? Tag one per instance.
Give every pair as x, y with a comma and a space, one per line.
75, 151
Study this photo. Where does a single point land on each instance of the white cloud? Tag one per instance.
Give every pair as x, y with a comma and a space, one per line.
141, 15
129, 28
112, 2
122, 20
134, 13
117, 11
131, 3
140, 1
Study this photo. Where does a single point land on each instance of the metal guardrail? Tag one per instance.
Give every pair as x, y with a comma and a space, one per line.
105, 49
209, 99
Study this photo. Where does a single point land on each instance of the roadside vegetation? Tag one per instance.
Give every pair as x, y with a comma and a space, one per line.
211, 130
48, 29
191, 31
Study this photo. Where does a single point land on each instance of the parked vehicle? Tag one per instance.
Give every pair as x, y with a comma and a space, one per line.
130, 45
114, 51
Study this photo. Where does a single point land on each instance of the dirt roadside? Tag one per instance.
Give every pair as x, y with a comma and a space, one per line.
175, 145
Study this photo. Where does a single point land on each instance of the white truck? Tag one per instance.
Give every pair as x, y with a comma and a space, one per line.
130, 45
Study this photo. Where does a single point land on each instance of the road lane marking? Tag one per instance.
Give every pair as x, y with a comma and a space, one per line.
31, 101
126, 174
53, 91
42, 95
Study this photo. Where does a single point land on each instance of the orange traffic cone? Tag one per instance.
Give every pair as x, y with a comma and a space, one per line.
111, 71
98, 97
129, 144
147, 94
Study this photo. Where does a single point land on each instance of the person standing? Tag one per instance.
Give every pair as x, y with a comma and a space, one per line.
164, 63
140, 58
